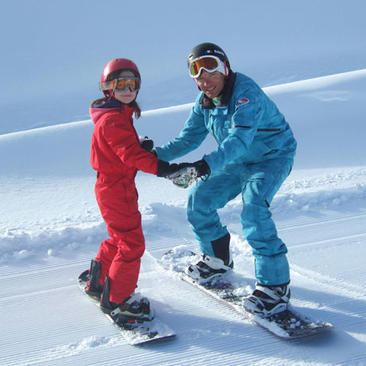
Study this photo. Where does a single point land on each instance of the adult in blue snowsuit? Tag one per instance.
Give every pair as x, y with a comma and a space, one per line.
255, 154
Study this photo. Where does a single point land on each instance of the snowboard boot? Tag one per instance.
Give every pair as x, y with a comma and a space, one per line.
209, 268
266, 301
129, 313
92, 276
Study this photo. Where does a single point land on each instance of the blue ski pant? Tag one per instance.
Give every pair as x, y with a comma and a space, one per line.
257, 183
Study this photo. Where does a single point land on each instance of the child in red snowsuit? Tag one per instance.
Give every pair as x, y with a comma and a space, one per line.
116, 155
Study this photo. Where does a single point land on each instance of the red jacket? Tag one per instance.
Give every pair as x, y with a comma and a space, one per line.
115, 148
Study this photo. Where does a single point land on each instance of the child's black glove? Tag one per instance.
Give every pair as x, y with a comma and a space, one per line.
146, 143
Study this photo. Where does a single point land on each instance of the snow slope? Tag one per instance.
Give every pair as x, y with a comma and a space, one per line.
50, 228
53, 51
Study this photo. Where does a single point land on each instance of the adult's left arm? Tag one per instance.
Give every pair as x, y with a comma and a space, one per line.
191, 137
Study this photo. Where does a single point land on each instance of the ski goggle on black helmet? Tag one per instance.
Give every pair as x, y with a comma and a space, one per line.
208, 57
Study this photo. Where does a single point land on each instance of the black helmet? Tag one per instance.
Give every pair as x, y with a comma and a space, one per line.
208, 48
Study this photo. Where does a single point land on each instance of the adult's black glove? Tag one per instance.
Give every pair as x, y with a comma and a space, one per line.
202, 168
165, 169
146, 143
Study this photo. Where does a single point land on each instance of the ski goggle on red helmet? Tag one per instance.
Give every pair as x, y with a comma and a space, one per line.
208, 63
122, 84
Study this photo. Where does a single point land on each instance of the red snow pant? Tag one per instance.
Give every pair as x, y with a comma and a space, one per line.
120, 256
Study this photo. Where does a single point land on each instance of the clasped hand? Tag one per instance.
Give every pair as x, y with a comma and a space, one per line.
183, 174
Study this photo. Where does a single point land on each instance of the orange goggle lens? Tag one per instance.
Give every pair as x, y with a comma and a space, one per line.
132, 83
121, 84
207, 63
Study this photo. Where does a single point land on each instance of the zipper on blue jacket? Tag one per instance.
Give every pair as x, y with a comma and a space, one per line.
268, 129
213, 134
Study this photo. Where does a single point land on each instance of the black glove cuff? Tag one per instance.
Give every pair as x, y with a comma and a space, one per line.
163, 168
202, 168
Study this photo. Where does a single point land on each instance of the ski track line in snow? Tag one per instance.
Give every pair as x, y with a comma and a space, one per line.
357, 360
48, 268
315, 243
337, 286
41, 355
320, 222
35, 293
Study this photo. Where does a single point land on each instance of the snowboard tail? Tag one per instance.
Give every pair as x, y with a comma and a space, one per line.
135, 333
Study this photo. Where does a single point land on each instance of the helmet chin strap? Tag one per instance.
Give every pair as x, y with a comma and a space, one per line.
226, 69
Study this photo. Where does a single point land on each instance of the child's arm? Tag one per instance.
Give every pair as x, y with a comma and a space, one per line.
123, 140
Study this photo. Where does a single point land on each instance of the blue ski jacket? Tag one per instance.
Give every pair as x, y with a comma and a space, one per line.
248, 128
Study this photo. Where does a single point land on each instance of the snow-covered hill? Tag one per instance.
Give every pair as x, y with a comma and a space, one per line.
50, 228
53, 51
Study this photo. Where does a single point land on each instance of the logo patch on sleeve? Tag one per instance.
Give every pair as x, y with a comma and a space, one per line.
241, 102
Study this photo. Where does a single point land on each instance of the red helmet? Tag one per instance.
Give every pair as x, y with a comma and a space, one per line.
115, 65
